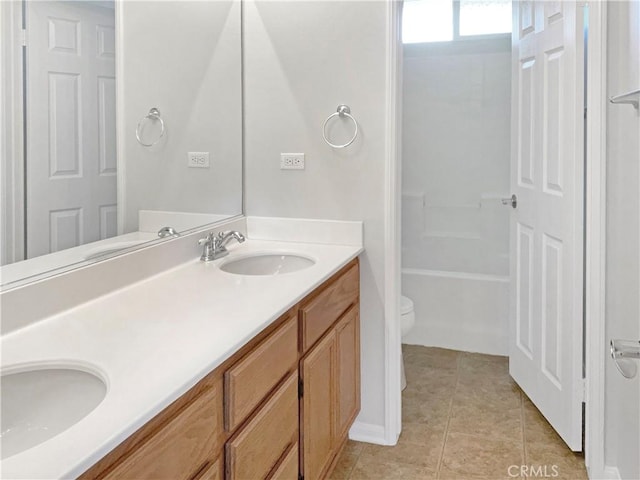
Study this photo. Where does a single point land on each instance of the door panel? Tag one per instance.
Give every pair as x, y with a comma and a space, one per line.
70, 115
545, 350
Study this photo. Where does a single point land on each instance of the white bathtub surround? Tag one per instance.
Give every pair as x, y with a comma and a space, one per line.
460, 311
455, 230
153, 340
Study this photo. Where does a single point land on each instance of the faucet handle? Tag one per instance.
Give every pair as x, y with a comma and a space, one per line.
207, 239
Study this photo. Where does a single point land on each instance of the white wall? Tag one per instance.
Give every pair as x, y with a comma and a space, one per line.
302, 59
456, 141
184, 58
455, 231
622, 397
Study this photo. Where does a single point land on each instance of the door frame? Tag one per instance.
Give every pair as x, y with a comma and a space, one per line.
595, 240
12, 219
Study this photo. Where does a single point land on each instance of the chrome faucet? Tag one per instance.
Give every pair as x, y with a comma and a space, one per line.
214, 245
168, 232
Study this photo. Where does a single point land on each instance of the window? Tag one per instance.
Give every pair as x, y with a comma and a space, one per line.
447, 20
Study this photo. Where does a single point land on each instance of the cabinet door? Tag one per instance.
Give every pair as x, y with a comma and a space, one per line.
347, 372
317, 405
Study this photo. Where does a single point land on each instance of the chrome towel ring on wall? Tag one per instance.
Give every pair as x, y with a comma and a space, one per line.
342, 111
154, 114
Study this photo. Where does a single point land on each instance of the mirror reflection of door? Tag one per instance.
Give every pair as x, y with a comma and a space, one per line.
70, 124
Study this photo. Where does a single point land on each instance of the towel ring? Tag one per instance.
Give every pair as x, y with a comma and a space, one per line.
154, 114
342, 111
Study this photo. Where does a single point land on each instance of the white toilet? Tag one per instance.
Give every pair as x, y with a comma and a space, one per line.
407, 321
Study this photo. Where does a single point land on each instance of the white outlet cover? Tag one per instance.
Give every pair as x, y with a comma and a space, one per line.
198, 159
292, 161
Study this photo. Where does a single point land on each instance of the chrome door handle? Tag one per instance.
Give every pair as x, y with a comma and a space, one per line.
512, 200
623, 353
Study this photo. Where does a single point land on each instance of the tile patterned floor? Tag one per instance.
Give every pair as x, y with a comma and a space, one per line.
463, 418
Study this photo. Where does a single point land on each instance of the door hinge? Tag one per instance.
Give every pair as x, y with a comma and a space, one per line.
300, 388
23, 37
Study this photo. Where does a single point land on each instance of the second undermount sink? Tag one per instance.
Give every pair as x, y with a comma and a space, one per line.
40, 403
267, 264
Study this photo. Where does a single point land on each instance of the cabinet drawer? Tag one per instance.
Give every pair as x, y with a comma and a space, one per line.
213, 471
249, 381
182, 446
257, 447
288, 469
321, 312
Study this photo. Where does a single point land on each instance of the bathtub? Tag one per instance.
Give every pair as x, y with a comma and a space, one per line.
460, 311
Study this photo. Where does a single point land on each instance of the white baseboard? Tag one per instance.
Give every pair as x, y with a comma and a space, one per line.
368, 432
610, 473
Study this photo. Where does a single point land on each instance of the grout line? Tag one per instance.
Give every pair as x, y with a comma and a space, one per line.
446, 428
524, 430
353, 466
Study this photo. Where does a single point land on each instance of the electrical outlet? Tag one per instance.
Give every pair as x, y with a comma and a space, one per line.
198, 160
292, 161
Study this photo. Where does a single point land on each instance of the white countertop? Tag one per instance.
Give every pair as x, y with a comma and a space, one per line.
153, 341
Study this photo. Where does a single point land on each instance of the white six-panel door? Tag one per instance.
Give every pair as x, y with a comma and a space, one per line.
546, 333
71, 144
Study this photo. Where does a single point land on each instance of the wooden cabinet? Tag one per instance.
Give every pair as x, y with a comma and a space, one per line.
347, 375
249, 381
281, 406
212, 471
288, 468
317, 407
181, 448
255, 450
331, 394
325, 307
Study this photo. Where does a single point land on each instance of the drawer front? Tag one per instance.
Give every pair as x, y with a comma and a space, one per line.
249, 381
181, 447
321, 312
213, 471
288, 469
257, 447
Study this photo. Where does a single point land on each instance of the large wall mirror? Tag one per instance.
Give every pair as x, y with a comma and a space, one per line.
121, 118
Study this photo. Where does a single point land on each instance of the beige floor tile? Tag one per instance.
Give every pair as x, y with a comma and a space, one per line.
439, 358
422, 433
496, 396
365, 470
569, 465
469, 456
478, 365
424, 452
347, 460
428, 389
478, 419
537, 429
434, 411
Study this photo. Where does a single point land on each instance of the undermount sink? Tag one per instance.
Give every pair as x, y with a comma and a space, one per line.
40, 403
267, 264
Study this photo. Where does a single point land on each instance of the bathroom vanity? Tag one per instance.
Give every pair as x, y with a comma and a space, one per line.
278, 408
206, 369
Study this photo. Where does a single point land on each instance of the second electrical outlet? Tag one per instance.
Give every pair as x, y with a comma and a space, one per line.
292, 161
